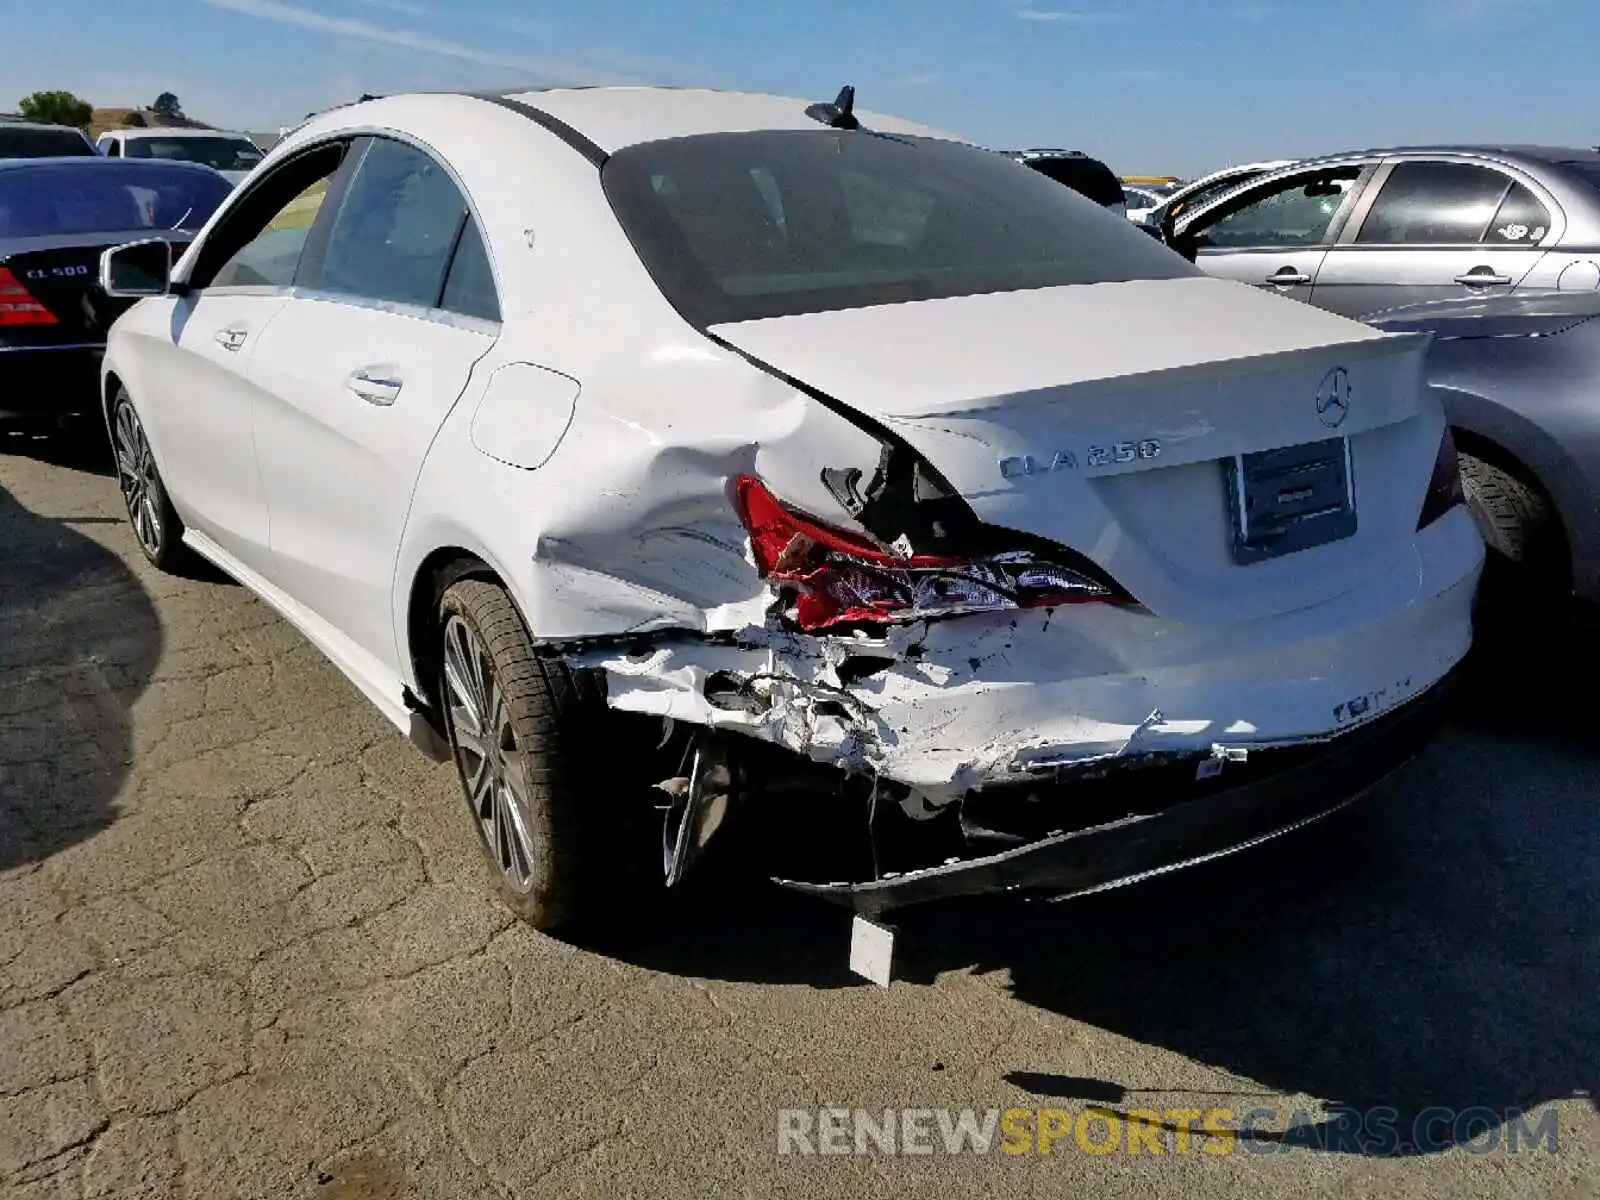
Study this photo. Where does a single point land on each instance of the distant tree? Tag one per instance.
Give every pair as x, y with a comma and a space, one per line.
56, 108
167, 106
135, 120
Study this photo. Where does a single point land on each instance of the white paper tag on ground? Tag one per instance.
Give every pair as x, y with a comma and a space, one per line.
871, 950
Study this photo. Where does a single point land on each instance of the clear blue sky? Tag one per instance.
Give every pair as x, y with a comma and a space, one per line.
1155, 86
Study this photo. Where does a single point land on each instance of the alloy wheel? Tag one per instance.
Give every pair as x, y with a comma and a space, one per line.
136, 474
487, 754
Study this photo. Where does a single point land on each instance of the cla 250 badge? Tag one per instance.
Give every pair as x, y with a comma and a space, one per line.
1025, 465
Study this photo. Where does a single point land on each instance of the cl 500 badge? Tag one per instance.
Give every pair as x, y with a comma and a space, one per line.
1026, 465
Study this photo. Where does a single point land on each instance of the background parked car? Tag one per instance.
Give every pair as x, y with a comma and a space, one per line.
1207, 188
1142, 201
1085, 175
29, 139
233, 154
1519, 376
56, 216
1363, 232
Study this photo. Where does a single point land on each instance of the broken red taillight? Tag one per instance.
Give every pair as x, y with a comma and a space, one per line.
1444, 489
18, 305
833, 577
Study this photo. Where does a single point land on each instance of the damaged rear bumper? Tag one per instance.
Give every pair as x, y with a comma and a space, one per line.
1302, 786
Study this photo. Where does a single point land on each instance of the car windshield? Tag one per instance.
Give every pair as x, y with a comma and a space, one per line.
223, 153
742, 226
105, 197
42, 143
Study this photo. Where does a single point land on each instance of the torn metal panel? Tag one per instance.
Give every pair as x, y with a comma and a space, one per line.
980, 701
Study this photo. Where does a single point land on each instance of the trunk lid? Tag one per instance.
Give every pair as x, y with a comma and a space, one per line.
62, 273
1129, 420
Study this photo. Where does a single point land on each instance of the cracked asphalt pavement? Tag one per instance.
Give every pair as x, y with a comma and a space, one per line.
247, 949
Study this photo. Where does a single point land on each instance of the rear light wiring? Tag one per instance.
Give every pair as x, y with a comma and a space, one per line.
831, 577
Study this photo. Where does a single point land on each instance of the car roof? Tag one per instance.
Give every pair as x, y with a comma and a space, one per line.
95, 162
1509, 151
164, 131
11, 123
613, 117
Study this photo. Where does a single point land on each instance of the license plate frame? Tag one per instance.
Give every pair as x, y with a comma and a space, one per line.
1290, 499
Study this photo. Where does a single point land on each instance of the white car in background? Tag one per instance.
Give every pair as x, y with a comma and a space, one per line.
652, 450
234, 155
1141, 201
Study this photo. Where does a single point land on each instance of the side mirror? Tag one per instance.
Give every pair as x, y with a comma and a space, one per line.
137, 269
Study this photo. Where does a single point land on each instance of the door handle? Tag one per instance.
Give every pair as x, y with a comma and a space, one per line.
1482, 277
374, 389
1288, 276
232, 339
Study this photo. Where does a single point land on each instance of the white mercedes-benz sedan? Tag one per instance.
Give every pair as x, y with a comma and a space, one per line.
666, 458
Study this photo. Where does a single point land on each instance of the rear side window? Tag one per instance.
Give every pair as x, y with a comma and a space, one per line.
1523, 220
43, 143
46, 199
396, 228
469, 287
1434, 204
742, 226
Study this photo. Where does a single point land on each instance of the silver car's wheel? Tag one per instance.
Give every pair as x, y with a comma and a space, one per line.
136, 473
492, 771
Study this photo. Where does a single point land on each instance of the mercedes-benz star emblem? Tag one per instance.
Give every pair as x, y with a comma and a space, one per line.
1333, 398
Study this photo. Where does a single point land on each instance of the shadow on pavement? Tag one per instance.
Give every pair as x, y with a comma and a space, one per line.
1531, 667
79, 640
1435, 949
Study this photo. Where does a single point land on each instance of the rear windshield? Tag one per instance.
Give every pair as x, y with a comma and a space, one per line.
105, 197
741, 226
42, 143
223, 153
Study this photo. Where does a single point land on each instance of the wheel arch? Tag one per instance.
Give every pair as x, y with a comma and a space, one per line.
438, 570
1493, 452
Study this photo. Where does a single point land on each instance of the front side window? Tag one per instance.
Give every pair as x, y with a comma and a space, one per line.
1434, 204
1293, 212
1205, 194
396, 228
741, 226
261, 240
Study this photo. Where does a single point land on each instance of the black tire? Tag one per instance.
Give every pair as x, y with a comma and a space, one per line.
155, 524
588, 822
1513, 517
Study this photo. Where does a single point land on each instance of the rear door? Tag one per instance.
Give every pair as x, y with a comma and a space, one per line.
1436, 229
1277, 234
356, 374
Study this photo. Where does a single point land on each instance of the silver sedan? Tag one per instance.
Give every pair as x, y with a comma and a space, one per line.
1363, 232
